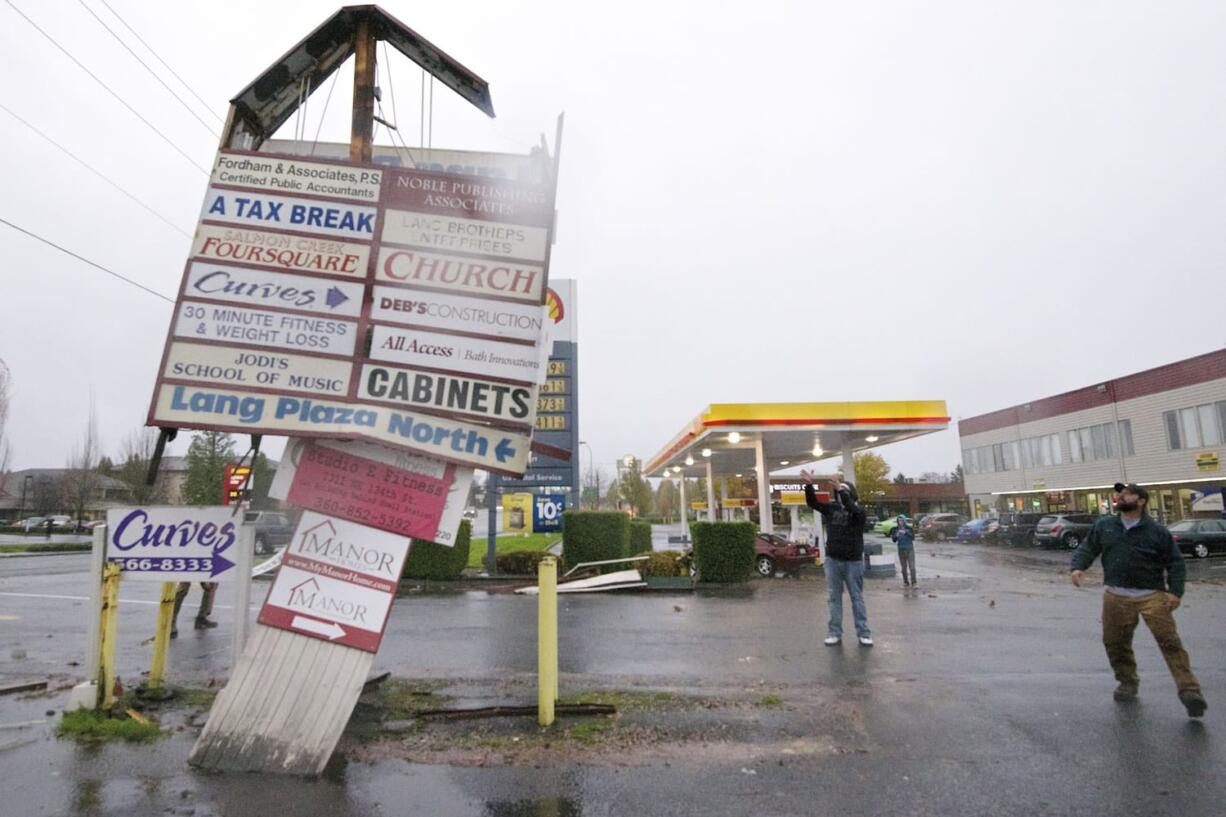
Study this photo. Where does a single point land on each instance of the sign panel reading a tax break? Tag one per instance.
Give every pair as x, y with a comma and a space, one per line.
315, 289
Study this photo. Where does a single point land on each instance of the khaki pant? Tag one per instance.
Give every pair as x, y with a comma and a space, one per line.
1120, 616
206, 603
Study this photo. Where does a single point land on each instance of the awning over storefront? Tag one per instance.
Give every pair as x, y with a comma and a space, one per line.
728, 439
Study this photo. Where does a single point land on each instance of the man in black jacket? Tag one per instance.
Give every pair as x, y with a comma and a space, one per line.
844, 562
1143, 572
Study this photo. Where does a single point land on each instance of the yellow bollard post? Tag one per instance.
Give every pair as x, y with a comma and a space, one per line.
546, 640
107, 623
161, 639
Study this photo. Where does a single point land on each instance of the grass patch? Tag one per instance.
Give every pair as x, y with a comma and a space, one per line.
48, 547
588, 732
627, 700
403, 700
194, 696
88, 726
511, 543
770, 701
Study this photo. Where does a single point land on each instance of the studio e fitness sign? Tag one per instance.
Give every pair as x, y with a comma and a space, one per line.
316, 289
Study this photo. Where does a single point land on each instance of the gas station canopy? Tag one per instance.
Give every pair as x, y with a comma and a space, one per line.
727, 436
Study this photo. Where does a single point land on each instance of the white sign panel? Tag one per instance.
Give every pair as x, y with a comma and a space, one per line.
448, 234
235, 410
292, 253
244, 367
464, 395
469, 355
471, 276
456, 313
257, 327
282, 174
172, 544
280, 290
286, 213
336, 582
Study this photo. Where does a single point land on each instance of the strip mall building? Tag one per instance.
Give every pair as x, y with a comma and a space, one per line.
1163, 428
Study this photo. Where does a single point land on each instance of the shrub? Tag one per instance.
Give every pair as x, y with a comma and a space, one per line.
640, 538
593, 536
429, 560
724, 551
665, 563
520, 562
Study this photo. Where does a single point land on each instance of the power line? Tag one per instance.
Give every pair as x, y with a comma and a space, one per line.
86, 165
166, 65
145, 65
50, 243
95, 78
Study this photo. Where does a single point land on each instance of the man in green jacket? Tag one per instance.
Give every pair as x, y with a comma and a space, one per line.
1143, 572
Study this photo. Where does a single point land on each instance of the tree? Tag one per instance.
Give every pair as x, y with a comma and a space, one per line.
81, 481
872, 476
6, 451
934, 477
46, 494
590, 496
901, 479
666, 498
261, 481
207, 457
956, 474
634, 490
133, 466
613, 497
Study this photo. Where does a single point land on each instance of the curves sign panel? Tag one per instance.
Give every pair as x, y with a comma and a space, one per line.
328, 298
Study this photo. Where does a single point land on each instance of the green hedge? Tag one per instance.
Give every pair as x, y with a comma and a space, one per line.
640, 538
724, 551
666, 563
593, 536
521, 562
428, 560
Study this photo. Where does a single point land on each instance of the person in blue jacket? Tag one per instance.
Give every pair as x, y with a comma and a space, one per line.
904, 535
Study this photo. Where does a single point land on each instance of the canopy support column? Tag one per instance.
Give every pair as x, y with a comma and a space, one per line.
766, 523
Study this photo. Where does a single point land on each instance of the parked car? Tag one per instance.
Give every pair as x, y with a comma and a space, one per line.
1063, 529
941, 526
61, 521
886, 526
973, 530
775, 553
1200, 537
32, 523
272, 529
1017, 529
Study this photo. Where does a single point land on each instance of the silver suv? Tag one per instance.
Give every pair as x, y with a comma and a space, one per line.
272, 529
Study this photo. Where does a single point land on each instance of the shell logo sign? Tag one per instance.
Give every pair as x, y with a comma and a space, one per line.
554, 307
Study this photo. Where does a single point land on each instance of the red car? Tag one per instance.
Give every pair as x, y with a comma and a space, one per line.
774, 553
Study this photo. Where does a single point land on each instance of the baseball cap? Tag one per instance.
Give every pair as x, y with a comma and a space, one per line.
1131, 488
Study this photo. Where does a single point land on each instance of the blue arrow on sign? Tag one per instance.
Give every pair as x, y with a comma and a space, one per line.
504, 451
335, 297
220, 564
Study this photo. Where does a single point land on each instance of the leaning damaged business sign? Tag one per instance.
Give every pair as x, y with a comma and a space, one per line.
401, 306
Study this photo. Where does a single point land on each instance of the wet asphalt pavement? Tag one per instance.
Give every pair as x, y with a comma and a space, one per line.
987, 693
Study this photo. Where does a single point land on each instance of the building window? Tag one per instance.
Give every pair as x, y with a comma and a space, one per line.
1126, 437
1038, 452
1092, 443
1195, 427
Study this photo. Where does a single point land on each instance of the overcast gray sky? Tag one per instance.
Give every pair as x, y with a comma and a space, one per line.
976, 202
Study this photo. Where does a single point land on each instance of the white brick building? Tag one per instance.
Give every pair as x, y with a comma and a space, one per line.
1164, 428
